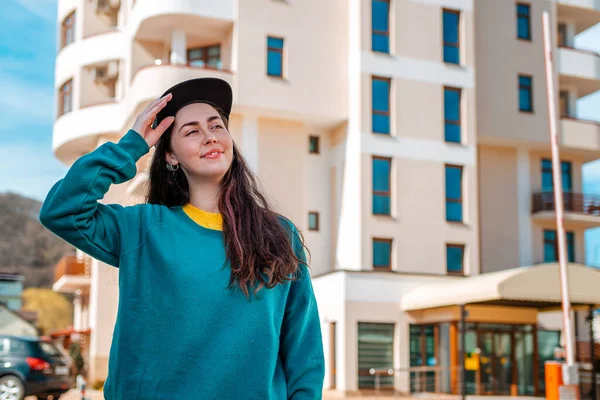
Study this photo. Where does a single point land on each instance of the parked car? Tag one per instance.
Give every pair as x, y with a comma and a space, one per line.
30, 366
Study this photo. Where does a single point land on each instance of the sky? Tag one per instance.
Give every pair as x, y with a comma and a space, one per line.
27, 53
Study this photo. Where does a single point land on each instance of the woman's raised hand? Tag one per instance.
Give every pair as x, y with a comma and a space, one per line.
144, 121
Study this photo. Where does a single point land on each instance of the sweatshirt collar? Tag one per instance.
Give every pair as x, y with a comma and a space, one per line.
203, 218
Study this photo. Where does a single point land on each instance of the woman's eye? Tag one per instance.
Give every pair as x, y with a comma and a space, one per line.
217, 126
190, 132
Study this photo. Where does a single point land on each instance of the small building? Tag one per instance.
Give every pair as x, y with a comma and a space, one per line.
13, 323
11, 290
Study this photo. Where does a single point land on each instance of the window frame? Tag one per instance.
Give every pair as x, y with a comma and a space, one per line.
462, 265
457, 44
376, 32
390, 242
387, 114
206, 58
459, 200
459, 122
530, 87
314, 139
62, 93
528, 16
68, 23
278, 50
381, 192
316, 228
554, 244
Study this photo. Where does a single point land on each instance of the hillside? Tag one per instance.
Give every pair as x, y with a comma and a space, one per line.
26, 247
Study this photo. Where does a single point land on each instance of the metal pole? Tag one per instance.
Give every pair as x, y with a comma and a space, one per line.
463, 344
590, 320
570, 375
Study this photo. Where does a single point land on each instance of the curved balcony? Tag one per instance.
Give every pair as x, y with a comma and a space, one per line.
92, 50
152, 19
582, 135
77, 132
151, 81
580, 208
580, 68
585, 13
71, 275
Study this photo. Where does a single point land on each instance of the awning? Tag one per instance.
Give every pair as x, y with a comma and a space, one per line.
534, 286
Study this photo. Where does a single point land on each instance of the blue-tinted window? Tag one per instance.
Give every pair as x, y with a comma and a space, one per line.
382, 251
454, 207
313, 221
451, 37
381, 186
452, 115
523, 21
380, 22
547, 182
551, 246
455, 258
274, 56
381, 105
525, 93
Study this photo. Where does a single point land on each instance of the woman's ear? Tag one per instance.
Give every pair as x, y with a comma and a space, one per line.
170, 158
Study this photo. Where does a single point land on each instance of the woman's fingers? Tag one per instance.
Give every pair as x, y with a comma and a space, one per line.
163, 126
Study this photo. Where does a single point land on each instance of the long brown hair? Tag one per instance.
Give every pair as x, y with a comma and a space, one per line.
259, 249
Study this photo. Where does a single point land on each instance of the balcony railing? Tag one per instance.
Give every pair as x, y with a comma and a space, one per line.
587, 204
70, 266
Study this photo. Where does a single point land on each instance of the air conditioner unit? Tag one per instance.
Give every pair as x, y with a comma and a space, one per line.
106, 6
106, 73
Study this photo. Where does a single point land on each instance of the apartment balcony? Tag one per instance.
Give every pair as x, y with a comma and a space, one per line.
582, 210
579, 68
580, 135
77, 132
70, 275
154, 19
585, 13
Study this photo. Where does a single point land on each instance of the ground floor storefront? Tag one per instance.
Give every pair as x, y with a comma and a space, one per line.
488, 335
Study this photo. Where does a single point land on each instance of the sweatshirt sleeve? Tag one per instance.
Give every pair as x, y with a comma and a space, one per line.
301, 343
71, 209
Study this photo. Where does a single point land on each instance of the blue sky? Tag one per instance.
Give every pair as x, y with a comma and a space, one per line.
27, 53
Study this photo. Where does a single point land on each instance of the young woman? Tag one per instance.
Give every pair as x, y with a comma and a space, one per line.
215, 296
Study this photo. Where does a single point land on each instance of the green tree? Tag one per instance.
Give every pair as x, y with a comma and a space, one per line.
54, 310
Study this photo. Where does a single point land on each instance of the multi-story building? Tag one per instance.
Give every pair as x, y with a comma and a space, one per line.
408, 140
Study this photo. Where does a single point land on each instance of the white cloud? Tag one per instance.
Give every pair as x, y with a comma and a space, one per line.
29, 169
45, 9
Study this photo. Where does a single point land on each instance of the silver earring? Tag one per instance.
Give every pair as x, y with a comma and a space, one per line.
172, 167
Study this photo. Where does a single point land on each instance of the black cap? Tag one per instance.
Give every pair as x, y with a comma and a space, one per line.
213, 91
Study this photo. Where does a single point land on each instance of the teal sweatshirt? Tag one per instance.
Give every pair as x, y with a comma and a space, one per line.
180, 333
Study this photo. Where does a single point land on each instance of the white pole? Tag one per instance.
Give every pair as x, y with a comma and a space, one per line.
570, 375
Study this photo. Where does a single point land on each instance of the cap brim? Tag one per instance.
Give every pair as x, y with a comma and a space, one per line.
213, 91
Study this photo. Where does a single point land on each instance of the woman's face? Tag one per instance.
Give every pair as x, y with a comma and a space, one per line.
201, 144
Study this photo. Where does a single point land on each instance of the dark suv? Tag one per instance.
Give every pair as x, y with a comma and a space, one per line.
30, 366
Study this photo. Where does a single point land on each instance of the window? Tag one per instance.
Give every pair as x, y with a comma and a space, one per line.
563, 104
65, 97
562, 35
525, 93
455, 258
380, 25
68, 30
452, 115
375, 350
313, 221
454, 208
382, 254
274, 56
381, 185
551, 246
548, 183
381, 105
208, 56
523, 21
451, 20
428, 345
313, 144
